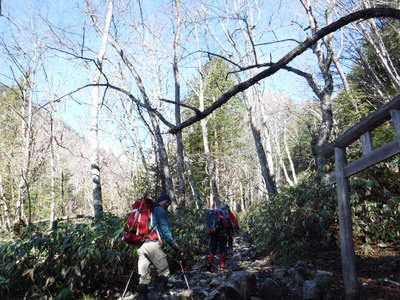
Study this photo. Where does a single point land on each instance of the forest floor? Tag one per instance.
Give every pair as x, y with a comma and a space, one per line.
378, 272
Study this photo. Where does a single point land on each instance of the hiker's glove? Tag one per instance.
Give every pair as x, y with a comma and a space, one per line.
176, 247
178, 251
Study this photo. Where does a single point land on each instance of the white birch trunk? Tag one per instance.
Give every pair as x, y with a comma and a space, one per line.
289, 157
193, 187
52, 174
94, 128
210, 163
4, 205
27, 152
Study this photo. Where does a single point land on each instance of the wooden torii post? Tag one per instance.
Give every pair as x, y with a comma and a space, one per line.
343, 171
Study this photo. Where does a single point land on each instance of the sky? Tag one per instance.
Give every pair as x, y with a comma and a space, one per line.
62, 73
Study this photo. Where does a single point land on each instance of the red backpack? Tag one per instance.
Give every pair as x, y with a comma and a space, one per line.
137, 228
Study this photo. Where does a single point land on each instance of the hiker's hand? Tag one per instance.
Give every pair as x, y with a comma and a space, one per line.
178, 251
176, 247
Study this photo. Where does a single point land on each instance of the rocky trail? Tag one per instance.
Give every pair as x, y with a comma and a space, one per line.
248, 277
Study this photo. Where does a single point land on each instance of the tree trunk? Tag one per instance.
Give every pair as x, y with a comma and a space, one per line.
210, 163
375, 40
193, 187
179, 142
27, 95
262, 159
281, 162
268, 180
4, 206
52, 174
163, 159
65, 209
289, 157
321, 134
139, 145
94, 128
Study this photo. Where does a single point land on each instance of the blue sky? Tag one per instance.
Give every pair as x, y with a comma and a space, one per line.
64, 75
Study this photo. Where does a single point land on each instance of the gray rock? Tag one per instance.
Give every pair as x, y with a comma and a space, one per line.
297, 279
269, 289
201, 292
185, 294
323, 279
215, 282
240, 285
311, 291
213, 295
279, 274
203, 281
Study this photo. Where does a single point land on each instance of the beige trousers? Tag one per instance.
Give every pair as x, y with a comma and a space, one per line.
151, 252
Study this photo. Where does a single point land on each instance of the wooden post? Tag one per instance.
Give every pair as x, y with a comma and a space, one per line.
366, 143
395, 113
346, 235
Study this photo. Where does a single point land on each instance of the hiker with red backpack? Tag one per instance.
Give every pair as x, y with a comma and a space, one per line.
149, 226
217, 230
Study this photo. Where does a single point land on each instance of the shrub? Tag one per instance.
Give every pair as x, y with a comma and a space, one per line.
296, 223
74, 261
79, 257
376, 204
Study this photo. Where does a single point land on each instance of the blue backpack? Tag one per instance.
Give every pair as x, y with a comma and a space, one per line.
224, 210
216, 223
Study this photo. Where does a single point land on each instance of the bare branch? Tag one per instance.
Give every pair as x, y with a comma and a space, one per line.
127, 93
278, 41
196, 110
362, 14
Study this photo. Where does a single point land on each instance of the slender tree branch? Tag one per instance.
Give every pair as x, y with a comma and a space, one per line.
362, 14
127, 93
196, 110
278, 41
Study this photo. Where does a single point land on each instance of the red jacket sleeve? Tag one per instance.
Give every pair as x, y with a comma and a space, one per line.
234, 219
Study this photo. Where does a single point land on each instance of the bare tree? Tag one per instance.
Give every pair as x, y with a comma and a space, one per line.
95, 109
4, 205
210, 160
247, 54
153, 113
272, 68
179, 142
52, 173
371, 34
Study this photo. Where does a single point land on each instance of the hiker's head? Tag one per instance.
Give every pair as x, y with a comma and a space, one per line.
164, 200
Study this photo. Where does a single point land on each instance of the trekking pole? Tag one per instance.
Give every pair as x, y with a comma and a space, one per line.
184, 275
129, 280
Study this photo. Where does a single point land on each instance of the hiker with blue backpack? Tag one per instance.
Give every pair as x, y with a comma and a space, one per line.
233, 224
221, 224
148, 225
217, 230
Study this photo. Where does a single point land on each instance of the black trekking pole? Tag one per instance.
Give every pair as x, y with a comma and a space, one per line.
129, 280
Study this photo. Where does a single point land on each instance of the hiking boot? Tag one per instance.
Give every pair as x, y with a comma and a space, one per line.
141, 292
161, 284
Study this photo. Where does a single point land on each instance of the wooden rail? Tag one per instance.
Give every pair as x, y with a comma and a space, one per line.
362, 131
343, 171
367, 124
